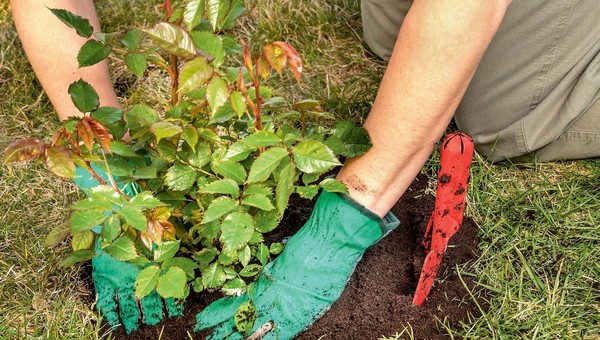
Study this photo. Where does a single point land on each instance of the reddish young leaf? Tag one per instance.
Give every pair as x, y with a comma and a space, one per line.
241, 84
262, 67
169, 230
293, 58
275, 55
59, 161
100, 133
23, 150
155, 231
248, 60
84, 130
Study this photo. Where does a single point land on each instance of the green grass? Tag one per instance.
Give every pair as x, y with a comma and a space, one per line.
538, 271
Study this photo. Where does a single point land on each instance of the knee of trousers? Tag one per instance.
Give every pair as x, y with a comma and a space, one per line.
381, 21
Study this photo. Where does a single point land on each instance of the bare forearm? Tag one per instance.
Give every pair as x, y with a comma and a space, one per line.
438, 49
52, 50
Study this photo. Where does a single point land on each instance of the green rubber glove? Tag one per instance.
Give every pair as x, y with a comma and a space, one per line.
114, 280
309, 275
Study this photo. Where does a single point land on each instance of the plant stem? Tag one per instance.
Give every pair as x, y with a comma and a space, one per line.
110, 176
174, 80
257, 108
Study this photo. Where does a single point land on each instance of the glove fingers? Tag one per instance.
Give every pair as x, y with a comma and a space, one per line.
218, 312
129, 311
225, 330
174, 309
152, 308
106, 303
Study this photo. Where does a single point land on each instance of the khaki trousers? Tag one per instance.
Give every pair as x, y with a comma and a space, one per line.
536, 92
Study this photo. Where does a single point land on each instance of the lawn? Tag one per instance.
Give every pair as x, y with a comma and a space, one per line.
538, 270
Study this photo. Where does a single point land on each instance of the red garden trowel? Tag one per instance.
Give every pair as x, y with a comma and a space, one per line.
456, 155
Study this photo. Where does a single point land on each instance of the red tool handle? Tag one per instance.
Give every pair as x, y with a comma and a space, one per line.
456, 155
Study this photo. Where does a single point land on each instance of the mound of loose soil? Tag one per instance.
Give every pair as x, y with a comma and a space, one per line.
378, 299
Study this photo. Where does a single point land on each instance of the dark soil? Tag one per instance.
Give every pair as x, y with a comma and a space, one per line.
378, 299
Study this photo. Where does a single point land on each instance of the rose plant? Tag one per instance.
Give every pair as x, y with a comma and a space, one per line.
215, 168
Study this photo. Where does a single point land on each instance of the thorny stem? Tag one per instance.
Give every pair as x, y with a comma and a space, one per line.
110, 176
174, 80
257, 107
174, 73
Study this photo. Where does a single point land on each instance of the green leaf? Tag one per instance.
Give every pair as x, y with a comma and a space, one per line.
172, 284
314, 157
132, 39
205, 256
238, 103
244, 255
233, 170
200, 156
85, 219
190, 135
146, 281
245, 317
94, 204
121, 249
81, 25
107, 115
122, 149
173, 39
194, 74
212, 12
84, 96
356, 140
285, 186
208, 135
219, 207
93, 52
184, 263
261, 139
264, 164
223, 186
164, 130
147, 172
180, 177
238, 151
134, 216
111, 229
216, 93
333, 185
211, 44
266, 220
145, 200
193, 13
166, 251
262, 254
136, 63
76, 257
59, 161
251, 270
276, 248
236, 230
58, 235
306, 104
82, 240
309, 178
213, 276
140, 116
235, 287
258, 201
308, 192
167, 150
258, 189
